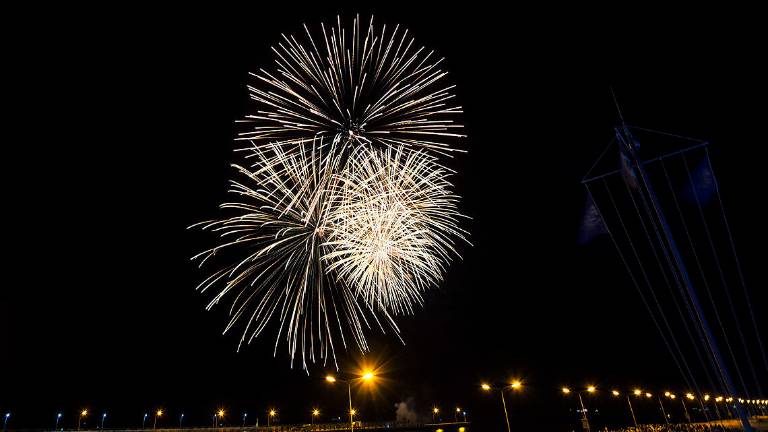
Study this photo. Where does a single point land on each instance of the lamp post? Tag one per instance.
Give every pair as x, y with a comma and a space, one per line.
584, 419
456, 415
5, 421
435, 412
58, 417
181, 419
158, 413
245, 416
103, 417
516, 385
144, 420
83, 413
272, 413
217, 416
616, 393
367, 376
315, 413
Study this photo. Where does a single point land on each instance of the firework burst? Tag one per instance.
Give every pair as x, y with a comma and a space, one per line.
345, 215
371, 87
394, 223
274, 244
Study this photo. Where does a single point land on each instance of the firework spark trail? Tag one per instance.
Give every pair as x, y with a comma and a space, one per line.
394, 223
345, 216
379, 92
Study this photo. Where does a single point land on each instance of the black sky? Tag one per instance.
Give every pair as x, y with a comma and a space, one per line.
125, 135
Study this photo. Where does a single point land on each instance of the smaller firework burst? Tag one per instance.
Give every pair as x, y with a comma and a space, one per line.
395, 224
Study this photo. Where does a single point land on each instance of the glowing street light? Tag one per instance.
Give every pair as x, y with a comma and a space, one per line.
435, 411
83, 413
366, 376
515, 385
103, 417
181, 419
616, 393
315, 413
5, 421
272, 414
590, 389
637, 392
456, 415
144, 421
158, 413
58, 417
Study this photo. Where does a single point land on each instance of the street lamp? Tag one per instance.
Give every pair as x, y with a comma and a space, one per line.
245, 416
315, 413
181, 419
5, 420
158, 413
217, 416
83, 413
272, 413
435, 411
515, 385
616, 393
367, 376
103, 417
58, 417
456, 415
584, 419
144, 421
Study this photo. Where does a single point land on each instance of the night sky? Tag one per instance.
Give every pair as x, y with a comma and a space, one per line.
125, 136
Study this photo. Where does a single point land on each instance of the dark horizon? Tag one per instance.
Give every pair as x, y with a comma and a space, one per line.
126, 141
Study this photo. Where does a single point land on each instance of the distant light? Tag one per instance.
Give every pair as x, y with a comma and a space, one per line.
485, 387
706, 397
159, 413
330, 378
315, 412
516, 384
591, 389
672, 396
458, 409
7, 415
689, 396
615, 393
435, 410
637, 392
566, 390
58, 415
368, 376
104, 415
272, 413
84, 413
353, 411
648, 395
666, 394
221, 413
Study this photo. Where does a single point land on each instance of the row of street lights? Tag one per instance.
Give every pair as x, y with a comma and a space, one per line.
517, 385
436, 411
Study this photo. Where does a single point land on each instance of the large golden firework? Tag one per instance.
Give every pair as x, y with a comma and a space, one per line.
345, 215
